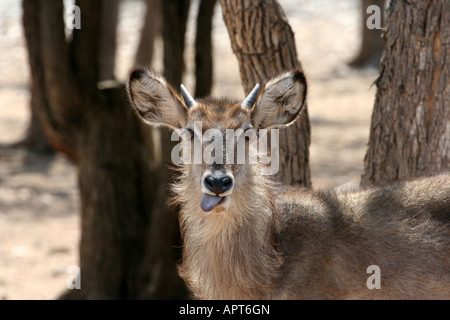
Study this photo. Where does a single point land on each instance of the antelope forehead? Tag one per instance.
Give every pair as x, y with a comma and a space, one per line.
220, 116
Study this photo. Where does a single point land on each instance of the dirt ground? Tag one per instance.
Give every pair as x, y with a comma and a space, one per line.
39, 220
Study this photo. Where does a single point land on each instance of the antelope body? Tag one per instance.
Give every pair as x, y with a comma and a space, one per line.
246, 237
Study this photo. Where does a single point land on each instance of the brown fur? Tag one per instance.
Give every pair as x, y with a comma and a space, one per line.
275, 242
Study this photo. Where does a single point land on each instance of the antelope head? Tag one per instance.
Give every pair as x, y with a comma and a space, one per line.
223, 123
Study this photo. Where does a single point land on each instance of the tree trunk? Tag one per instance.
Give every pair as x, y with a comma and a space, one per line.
174, 31
264, 45
150, 30
116, 200
118, 174
108, 38
164, 261
203, 49
371, 41
410, 130
54, 122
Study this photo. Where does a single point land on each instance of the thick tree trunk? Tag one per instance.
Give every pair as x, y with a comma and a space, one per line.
117, 188
264, 45
371, 40
119, 177
203, 49
410, 130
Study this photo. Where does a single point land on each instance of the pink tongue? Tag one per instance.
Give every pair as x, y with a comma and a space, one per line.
208, 202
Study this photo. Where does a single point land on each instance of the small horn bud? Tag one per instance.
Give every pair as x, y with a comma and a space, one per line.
190, 102
251, 98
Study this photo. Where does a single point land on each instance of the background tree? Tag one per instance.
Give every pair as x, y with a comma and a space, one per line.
203, 49
108, 38
119, 174
150, 31
410, 129
164, 233
35, 139
264, 45
372, 42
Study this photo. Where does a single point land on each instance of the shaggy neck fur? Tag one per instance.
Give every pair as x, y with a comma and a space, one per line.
231, 253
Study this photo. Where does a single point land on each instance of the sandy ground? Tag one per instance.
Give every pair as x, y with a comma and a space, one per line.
39, 221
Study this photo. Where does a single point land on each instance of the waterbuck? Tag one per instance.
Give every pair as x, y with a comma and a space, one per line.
247, 237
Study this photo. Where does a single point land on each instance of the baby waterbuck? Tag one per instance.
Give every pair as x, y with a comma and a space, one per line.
246, 237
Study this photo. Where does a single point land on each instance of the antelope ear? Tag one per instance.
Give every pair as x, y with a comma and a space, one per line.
280, 103
154, 101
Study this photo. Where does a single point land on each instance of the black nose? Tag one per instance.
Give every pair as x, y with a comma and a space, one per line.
218, 185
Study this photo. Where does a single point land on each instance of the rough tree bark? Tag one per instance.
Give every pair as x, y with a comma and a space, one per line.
264, 45
118, 177
371, 41
410, 130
